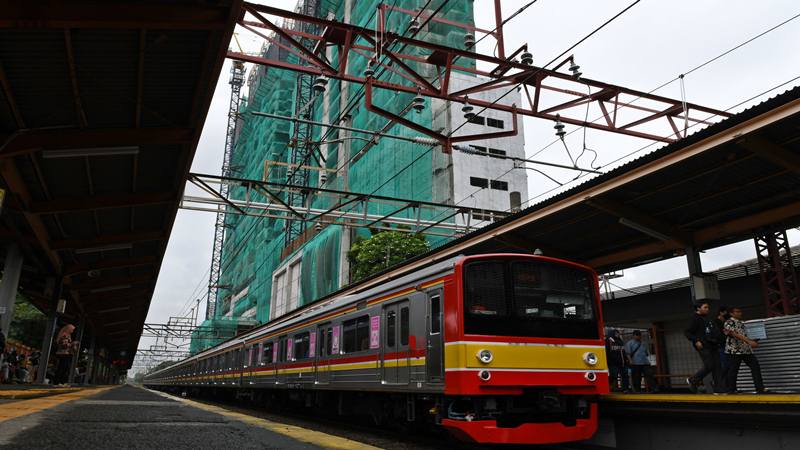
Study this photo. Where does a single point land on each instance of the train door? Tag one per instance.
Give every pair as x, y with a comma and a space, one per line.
323, 366
284, 357
395, 343
247, 371
435, 338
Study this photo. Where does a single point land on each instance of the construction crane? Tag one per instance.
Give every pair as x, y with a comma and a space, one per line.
236, 81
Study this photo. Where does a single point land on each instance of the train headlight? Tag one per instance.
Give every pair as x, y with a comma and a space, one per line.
591, 376
484, 375
485, 356
590, 358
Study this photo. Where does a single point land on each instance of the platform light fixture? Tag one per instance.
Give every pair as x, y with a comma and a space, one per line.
104, 248
110, 288
96, 151
643, 229
111, 310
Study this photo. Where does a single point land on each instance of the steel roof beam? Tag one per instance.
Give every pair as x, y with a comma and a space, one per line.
99, 241
110, 263
772, 152
29, 141
113, 15
102, 282
640, 221
67, 205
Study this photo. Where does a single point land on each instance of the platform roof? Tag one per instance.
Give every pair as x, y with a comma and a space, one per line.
723, 184
101, 110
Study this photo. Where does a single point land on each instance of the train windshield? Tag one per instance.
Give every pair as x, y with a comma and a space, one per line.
529, 299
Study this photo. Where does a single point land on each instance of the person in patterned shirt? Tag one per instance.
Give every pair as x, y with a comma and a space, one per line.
738, 348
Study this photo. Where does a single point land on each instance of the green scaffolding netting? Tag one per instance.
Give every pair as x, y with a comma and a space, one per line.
254, 247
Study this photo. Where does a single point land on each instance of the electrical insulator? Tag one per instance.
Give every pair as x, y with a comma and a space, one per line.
575, 69
413, 27
526, 57
418, 103
318, 226
467, 109
323, 178
469, 40
369, 71
320, 84
559, 127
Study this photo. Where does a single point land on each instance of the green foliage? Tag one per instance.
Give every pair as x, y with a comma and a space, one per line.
382, 250
28, 323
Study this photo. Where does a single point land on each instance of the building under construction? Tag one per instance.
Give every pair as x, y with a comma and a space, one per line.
313, 146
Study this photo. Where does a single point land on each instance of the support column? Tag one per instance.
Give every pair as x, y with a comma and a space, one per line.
693, 261
12, 269
89, 362
47, 340
74, 363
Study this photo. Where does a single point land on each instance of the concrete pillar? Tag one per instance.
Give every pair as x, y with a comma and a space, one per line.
12, 269
47, 340
76, 356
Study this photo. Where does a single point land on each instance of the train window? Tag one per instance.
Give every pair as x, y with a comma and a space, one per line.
436, 312
356, 334
266, 354
391, 328
404, 325
301, 346
325, 341
529, 298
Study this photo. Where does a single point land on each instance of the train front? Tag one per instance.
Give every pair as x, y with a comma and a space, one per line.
524, 353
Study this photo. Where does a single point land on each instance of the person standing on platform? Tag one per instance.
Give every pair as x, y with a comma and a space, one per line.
63, 354
723, 314
738, 348
638, 355
617, 367
706, 339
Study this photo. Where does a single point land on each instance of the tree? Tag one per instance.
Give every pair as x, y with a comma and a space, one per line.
28, 323
382, 250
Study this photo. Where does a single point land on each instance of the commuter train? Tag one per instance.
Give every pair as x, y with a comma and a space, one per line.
496, 348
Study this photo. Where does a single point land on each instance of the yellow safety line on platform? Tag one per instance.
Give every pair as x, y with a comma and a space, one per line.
705, 398
317, 438
29, 393
25, 407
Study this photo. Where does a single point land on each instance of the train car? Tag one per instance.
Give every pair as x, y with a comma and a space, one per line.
496, 348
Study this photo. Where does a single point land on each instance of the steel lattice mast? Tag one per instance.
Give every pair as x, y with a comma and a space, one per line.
236, 81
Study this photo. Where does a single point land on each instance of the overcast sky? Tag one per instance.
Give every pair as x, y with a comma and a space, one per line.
651, 44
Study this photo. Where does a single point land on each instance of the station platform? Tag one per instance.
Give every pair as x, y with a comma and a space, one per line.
26, 391
698, 421
133, 417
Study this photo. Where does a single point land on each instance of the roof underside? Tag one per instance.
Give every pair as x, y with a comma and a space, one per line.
136, 80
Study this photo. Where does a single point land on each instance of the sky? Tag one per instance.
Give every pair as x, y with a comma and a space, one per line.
650, 44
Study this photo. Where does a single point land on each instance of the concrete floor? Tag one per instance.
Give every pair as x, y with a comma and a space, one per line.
130, 417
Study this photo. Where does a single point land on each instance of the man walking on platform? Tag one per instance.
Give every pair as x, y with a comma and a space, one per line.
706, 339
738, 348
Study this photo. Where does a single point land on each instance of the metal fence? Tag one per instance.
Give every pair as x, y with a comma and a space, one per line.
778, 354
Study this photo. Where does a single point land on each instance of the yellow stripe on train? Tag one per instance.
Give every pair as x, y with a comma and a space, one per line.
523, 356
